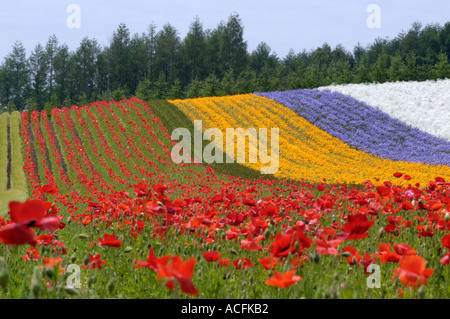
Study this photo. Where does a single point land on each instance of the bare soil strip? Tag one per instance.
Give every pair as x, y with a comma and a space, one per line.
33, 153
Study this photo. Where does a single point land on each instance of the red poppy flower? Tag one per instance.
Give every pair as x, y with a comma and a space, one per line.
95, 262
283, 280
180, 271
268, 262
152, 261
355, 256
446, 259
34, 213
224, 262
404, 249
390, 256
211, 255
110, 240
383, 191
413, 271
17, 234
53, 262
242, 263
398, 174
251, 245
446, 241
357, 226
324, 247
30, 251
48, 189
286, 244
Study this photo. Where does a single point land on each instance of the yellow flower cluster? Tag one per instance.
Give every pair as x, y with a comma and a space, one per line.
305, 151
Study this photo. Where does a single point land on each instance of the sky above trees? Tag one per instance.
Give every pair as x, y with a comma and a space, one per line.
282, 24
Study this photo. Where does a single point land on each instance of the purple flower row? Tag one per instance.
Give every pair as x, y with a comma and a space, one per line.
364, 127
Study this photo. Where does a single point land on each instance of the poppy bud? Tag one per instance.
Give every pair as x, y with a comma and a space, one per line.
73, 258
71, 291
421, 292
381, 232
316, 258
354, 260
128, 249
92, 280
346, 254
111, 286
48, 271
4, 278
83, 236
297, 246
267, 234
36, 289
447, 217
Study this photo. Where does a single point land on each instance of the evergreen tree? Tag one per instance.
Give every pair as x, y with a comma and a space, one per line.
193, 89
442, 67
210, 86
175, 91
161, 87
143, 90
17, 74
51, 51
38, 75
363, 70
246, 82
396, 68
379, 71
227, 83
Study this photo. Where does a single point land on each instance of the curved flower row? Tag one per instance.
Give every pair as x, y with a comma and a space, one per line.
305, 150
364, 127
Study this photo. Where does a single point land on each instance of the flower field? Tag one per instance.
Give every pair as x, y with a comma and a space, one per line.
355, 189
309, 152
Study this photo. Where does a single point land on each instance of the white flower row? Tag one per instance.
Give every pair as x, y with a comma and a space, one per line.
425, 105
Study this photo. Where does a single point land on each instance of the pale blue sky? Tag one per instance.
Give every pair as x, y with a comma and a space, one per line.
282, 24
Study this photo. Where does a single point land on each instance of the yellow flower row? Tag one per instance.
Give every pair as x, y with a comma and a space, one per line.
305, 151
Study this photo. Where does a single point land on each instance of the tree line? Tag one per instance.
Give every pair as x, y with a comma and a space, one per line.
158, 64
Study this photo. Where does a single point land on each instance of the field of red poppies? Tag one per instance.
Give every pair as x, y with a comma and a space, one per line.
110, 215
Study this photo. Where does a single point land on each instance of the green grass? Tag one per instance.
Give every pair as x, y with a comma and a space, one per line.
4, 123
19, 185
